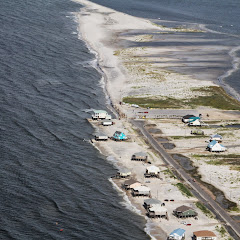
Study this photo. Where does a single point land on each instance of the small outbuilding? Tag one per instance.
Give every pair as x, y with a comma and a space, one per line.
141, 191
157, 211
216, 137
150, 202
204, 235
139, 156
119, 136
214, 146
123, 173
152, 171
184, 212
177, 234
107, 122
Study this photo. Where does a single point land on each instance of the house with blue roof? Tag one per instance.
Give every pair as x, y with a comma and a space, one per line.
119, 136
215, 146
177, 234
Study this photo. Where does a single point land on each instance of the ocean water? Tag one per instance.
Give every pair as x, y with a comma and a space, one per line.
54, 183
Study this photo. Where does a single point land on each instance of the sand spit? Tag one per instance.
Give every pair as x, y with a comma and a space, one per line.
148, 70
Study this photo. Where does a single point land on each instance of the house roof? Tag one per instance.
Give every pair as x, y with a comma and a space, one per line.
141, 154
188, 116
216, 136
99, 111
153, 169
177, 232
134, 185
158, 209
183, 208
150, 201
124, 171
141, 188
204, 233
130, 181
212, 143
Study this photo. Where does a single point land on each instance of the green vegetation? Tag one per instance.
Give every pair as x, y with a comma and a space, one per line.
184, 189
153, 103
214, 97
235, 209
187, 137
204, 209
227, 159
221, 230
170, 173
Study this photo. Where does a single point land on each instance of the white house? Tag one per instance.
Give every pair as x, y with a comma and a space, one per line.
100, 114
204, 235
177, 234
157, 211
214, 146
152, 171
141, 191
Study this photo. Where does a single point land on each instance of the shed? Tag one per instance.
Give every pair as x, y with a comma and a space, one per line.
157, 211
184, 212
150, 202
177, 234
124, 172
216, 137
214, 146
186, 118
141, 191
139, 156
204, 235
107, 122
152, 171
119, 136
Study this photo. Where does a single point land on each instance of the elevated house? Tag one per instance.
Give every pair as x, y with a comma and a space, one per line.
141, 191
150, 202
177, 234
186, 118
194, 121
214, 146
204, 235
139, 156
127, 183
216, 137
101, 137
157, 211
123, 173
100, 114
119, 136
152, 171
184, 212
134, 185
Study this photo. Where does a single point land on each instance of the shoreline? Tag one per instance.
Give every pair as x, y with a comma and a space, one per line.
111, 61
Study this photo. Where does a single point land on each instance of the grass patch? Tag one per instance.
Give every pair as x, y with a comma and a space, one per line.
215, 97
207, 212
187, 137
221, 230
170, 173
184, 190
154, 103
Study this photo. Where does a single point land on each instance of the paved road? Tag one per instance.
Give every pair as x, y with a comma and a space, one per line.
218, 210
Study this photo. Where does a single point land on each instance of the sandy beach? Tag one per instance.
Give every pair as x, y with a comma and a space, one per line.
148, 70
